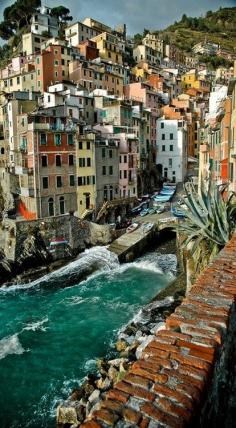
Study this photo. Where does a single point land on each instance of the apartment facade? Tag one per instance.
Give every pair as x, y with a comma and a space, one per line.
172, 149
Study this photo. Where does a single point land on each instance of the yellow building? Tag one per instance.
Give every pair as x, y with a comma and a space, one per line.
109, 47
192, 80
86, 174
22, 80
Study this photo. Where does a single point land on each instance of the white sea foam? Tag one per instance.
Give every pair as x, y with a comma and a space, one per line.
10, 345
37, 325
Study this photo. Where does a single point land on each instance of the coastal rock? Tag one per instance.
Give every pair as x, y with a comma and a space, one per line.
103, 366
113, 374
103, 384
121, 345
67, 415
76, 395
158, 327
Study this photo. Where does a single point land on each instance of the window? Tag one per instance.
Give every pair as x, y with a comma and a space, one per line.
180, 124
58, 160
62, 62
103, 152
163, 137
125, 174
44, 160
120, 174
110, 170
49, 98
18, 80
171, 148
45, 182
72, 180
81, 162
103, 170
88, 161
62, 204
71, 160
38, 59
110, 153
125, 159
59, 181
88, 145
162, 125
163, 148
80, 144
43, 139
171, 136
70, 139
57, 139
88, 180
50, 207
38, 72
80, 182
56, 62
170, 163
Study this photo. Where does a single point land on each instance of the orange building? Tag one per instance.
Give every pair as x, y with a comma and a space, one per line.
88, 50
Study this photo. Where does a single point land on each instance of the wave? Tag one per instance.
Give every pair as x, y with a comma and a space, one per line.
10, 345
37, 325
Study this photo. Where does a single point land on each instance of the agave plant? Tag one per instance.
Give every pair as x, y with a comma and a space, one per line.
210, 221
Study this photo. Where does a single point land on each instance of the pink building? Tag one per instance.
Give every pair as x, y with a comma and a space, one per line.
144, 92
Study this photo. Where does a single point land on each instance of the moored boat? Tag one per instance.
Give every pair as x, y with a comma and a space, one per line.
132, 227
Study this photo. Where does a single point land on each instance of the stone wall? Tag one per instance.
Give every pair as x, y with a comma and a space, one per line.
186, 374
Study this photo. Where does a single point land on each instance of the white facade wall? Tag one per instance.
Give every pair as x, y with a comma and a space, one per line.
43, 21
78, 32
172, 149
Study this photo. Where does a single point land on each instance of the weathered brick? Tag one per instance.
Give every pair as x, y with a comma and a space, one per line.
137, 380
132, 416
162, 346
195, 362
149, 350
193, 372
115, 394
90, 424
113, 405
144, 423
144, 373
135, 391
184, 378
106, 416
160, 416
214, 334
170, 407
173, 334
173, 395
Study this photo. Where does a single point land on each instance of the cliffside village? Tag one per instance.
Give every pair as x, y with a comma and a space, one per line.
91, 122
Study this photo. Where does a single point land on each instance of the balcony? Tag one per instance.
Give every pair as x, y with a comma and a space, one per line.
39, 126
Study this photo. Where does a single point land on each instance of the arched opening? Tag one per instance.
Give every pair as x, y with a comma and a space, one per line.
50, 207
62, 204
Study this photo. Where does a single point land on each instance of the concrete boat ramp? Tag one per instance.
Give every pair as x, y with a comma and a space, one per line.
131, 245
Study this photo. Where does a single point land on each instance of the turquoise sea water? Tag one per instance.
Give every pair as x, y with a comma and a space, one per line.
51, 336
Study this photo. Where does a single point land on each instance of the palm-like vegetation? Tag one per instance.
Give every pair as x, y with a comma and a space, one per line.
210, 221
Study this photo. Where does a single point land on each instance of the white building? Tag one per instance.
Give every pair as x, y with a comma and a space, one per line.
42, 21
147, 54
172, 140
79, 32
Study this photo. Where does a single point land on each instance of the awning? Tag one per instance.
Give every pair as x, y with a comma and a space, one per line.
192, 159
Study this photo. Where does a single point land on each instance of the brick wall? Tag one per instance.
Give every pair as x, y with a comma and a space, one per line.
182, 377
